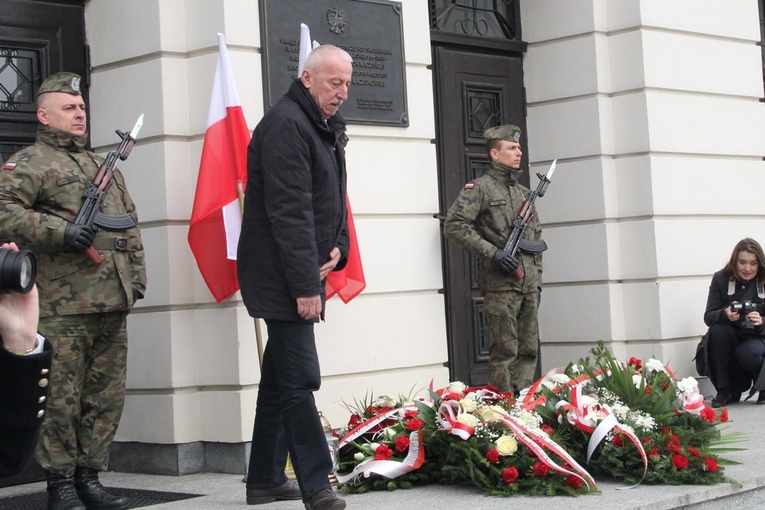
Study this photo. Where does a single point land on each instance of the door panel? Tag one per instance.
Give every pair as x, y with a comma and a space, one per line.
473, 92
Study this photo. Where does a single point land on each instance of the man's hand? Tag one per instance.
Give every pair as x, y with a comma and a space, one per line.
309, 307
331, 264
19, 315
78, 237
503, 261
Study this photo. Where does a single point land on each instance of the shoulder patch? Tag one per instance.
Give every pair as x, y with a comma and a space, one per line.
9, 166
469, 185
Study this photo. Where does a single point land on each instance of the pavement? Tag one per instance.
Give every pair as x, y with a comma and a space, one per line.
744, 491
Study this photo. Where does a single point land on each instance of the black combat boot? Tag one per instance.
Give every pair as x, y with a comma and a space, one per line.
61, 493
93, 494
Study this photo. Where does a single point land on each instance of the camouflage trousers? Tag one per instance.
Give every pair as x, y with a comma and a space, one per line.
513, 329
87, 390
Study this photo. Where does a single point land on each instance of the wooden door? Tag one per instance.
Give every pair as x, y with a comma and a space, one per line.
473, 91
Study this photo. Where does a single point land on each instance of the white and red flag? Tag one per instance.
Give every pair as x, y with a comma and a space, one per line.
216, 218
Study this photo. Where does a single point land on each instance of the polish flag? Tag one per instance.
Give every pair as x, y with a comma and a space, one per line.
349, 282
216, 218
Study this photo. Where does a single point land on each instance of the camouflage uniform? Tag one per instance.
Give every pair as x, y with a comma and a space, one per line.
83, 305
480, 220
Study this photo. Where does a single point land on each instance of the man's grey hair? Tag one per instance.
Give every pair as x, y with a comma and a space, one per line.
318, 57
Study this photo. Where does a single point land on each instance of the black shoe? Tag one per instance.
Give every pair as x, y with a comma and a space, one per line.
287, 490
325, 500
736, 397
720, 400
761, 398
93, 494
61, 493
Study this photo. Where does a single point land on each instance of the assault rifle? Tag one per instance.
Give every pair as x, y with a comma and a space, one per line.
90, 213
521, 222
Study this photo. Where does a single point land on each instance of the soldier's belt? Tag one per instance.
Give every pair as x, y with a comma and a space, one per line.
115, 243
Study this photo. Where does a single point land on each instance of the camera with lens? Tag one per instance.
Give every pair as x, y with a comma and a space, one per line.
18, 270
743, 308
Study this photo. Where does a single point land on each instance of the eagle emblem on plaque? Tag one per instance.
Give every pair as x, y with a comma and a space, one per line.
336, 20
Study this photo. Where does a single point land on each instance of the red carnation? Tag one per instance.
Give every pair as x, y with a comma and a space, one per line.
673, 439
415, 424
635, 362
693, 451
402, 443
547, 429
492, 456
674, 448
509, 475
680, 461
383, 452
573, 481
618, 440
540, 469
648, 389
724, 415
711, 464
410, 414
653, 453
354, 420
708, 414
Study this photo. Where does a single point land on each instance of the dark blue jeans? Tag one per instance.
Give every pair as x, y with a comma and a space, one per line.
286, 417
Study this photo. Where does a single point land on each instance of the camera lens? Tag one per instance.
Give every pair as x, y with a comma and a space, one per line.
18, 270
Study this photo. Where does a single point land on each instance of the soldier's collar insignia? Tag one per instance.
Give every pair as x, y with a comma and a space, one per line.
469, 185
9, 166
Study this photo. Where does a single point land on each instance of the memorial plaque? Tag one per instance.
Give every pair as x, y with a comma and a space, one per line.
370, 30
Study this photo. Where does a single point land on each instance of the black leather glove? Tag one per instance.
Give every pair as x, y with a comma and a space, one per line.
78, 237
504, 261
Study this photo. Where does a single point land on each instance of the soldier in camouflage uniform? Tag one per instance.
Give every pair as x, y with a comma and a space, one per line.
83, 305
480, 220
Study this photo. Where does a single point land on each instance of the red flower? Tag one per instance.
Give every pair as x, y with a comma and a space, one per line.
711, 464
708, 414
451, 396
653, 453
509, 475
573, 481
665, 431
540, 469
618, 440
693, 451
637, 363
410, 414
492, 456
673, 439
402, 443
680, 461
648, 389
354, 420
383, 452
547, 429
724, 415
415, 424
674, 448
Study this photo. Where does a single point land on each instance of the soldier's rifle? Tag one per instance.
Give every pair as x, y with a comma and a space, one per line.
90, 211
521, 222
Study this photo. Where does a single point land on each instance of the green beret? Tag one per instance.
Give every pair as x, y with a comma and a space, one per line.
507, 132
61, 82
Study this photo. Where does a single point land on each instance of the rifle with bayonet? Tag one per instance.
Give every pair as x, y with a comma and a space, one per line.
90, 213
521, 222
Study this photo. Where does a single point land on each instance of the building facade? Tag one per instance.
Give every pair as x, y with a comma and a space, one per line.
653, 110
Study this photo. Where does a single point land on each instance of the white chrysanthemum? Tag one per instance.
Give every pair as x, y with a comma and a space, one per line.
456, 387
643, 421
620, 411
468, 405
467, 419
654, 365
687, 385
507, 445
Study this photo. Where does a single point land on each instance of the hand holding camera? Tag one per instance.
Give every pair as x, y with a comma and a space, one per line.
19, 306
747, 312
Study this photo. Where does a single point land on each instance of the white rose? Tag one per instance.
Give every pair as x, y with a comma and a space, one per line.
560, 378
456, 387
507, 445
385, 401
468, 419
687, 385
468, 405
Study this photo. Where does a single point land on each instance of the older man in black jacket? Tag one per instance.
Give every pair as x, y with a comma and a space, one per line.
294, 233
25, 359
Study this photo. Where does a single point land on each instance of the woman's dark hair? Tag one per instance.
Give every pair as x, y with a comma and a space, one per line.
751, 246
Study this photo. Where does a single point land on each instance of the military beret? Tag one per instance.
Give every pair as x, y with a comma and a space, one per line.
61, 82
507, 132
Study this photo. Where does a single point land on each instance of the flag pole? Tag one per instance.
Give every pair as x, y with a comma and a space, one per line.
258, 336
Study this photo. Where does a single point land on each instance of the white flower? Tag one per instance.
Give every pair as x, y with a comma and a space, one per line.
468, 405
576, 369
507, 445
385, 401
374, 446
549, 384
467, 419
637, 379
687, 385
531, 420
359, 456
456, 387
560, 378
620, 410
643, 421
587, 400
654, 365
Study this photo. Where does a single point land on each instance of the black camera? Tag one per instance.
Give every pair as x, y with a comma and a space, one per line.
18, 270
743, 309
